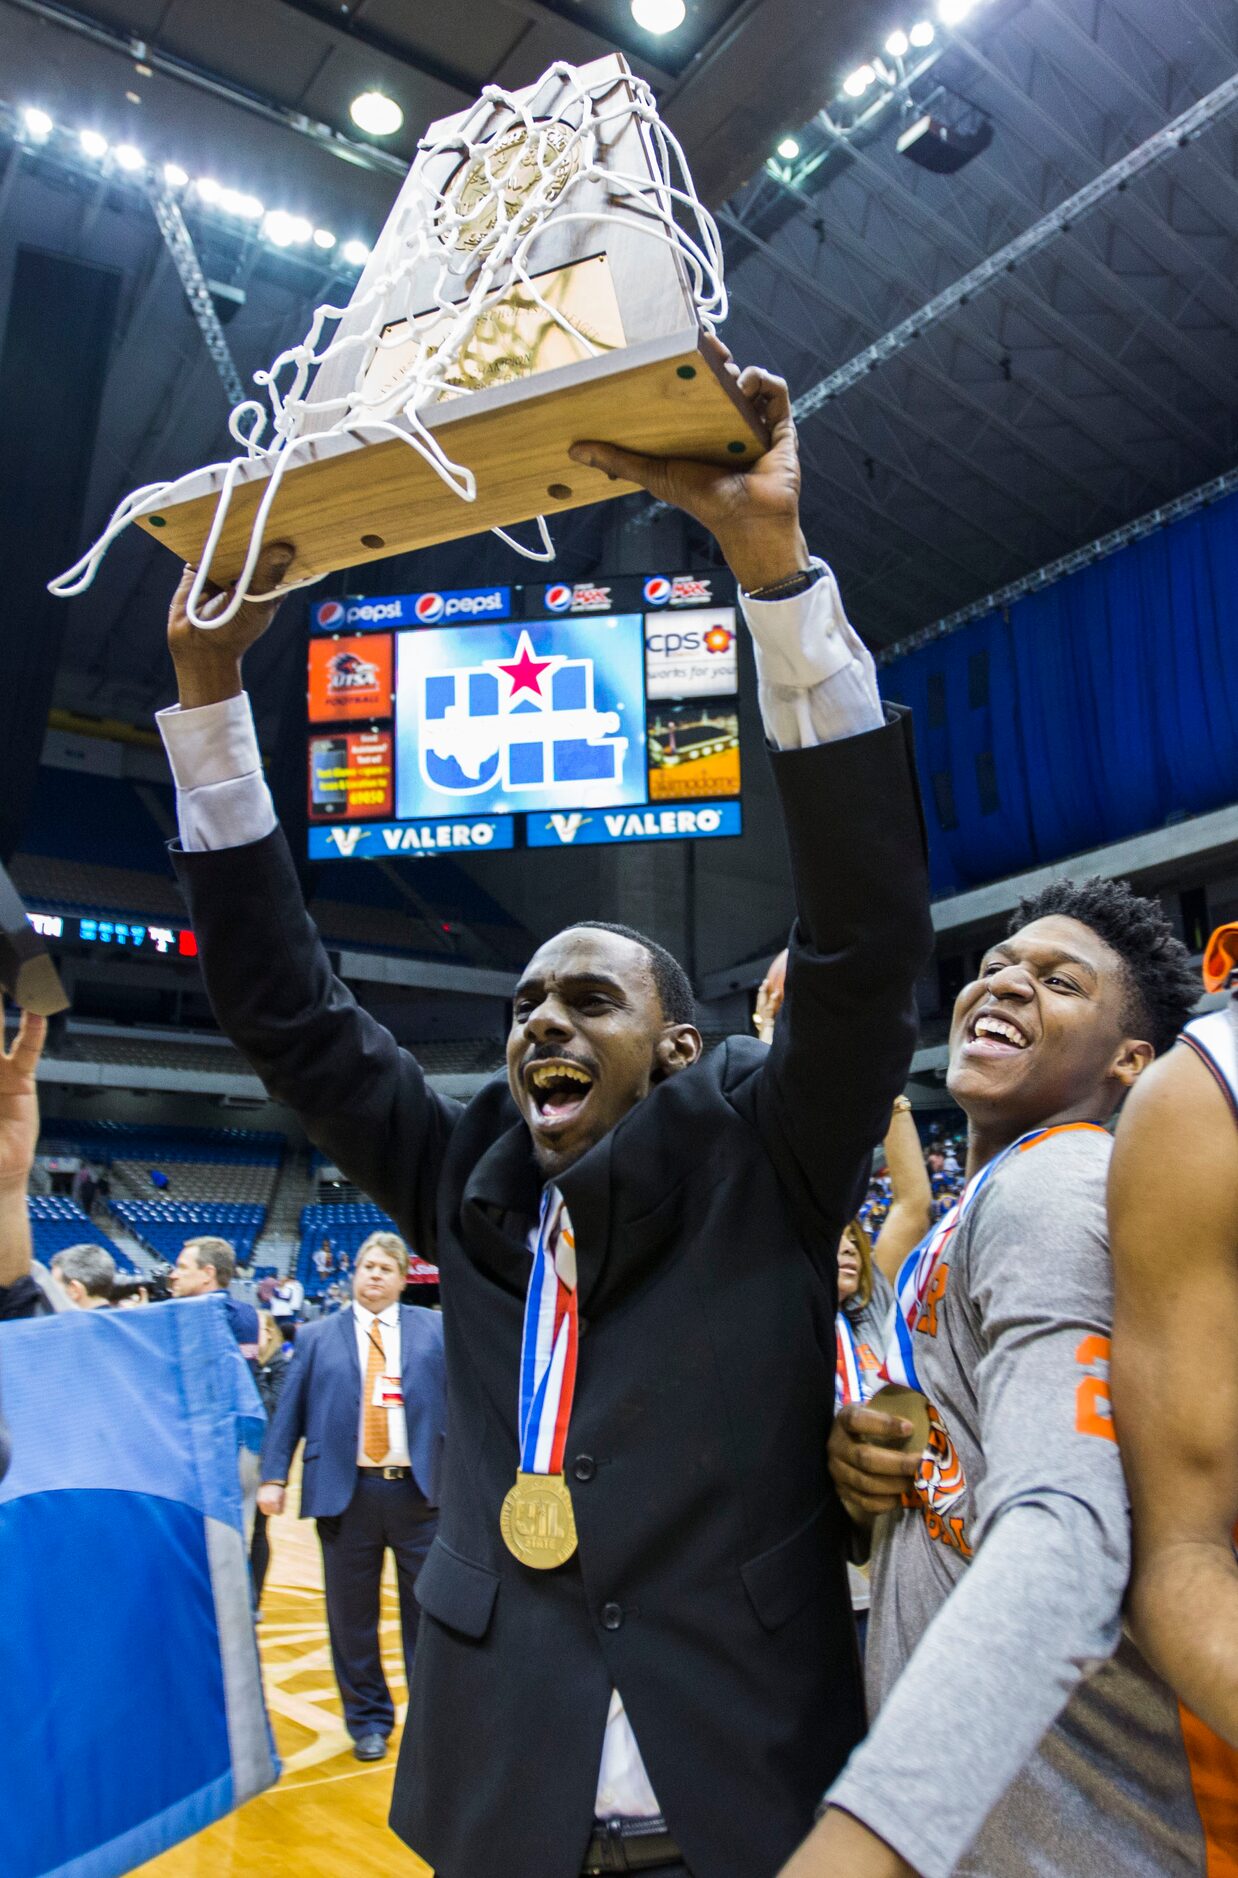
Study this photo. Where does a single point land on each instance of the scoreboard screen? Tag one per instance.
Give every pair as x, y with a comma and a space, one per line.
540, 716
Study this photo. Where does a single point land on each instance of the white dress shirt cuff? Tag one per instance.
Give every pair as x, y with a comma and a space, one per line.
816, 681
222, 800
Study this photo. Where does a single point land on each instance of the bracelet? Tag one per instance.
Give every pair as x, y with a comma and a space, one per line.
793, 584
901, 1102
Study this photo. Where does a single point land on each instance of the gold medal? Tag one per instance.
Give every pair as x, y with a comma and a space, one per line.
912, 1406
537, 1522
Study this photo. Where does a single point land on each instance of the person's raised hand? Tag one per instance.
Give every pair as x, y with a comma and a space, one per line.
752, 513
868, 1463
271, 1499
208, 660
19, 1101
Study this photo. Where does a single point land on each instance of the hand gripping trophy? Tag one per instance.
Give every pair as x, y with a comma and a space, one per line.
547, 274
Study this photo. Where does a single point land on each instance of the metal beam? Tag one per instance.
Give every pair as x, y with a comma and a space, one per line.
341, 25
1098, 550
1066, 407
381, 968
1006, 259
180, 246
129, 47
1162, 853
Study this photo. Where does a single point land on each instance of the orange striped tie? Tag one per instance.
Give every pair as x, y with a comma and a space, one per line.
375, 1440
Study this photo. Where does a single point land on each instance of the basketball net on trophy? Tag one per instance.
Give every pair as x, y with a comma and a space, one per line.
545, 276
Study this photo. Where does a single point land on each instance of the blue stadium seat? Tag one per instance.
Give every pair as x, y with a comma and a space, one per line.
56, 1223
345, 1223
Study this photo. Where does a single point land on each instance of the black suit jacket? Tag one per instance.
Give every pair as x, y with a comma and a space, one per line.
709, 1586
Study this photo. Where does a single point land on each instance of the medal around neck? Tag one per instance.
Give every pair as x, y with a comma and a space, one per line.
537, 1522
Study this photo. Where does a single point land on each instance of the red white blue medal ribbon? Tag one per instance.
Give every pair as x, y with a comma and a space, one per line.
916, 1273
548, 1347
848, 1374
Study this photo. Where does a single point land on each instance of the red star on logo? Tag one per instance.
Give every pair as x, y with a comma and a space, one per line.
526, 672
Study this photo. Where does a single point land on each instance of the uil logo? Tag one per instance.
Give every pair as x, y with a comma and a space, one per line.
939, 1488
524, 724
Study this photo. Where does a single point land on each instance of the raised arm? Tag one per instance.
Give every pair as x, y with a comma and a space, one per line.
360, 1097
911, 1206
19, 1132
845, 773
1173, 1203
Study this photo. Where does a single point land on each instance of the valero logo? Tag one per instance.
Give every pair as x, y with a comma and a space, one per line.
429, 607
557, 599
657, 590
329, 613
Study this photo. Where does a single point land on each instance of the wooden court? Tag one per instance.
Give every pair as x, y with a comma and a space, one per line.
328, 1815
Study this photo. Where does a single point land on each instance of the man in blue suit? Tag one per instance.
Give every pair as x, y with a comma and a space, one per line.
365, 1392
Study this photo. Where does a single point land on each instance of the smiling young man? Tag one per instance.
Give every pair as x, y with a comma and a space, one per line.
636, 1651
998, 1580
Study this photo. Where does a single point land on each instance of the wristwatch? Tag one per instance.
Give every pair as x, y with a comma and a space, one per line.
900, 1102
787, 589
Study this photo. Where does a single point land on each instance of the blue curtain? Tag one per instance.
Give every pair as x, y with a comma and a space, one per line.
1102, 707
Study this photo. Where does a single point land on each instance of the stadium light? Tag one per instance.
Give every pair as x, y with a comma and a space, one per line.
658, 16
376, 114
788, 149
356, 253
323, 238
922, 33
897, 45
287, 231
39, 124
857, 83
236, 202
174, 176
208, 190
93, 143
129, 157
953, 12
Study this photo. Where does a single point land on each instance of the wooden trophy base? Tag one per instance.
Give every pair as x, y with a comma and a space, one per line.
351, 501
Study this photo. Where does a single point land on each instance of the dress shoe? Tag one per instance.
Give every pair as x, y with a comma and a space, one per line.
370, 1747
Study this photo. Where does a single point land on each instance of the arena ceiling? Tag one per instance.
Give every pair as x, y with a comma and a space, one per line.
1096, 380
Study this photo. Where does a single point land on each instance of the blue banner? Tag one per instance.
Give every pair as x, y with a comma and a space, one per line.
582, 828
378, 840
130, 1694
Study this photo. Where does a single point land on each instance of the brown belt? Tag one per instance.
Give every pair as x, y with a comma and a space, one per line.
630, 1845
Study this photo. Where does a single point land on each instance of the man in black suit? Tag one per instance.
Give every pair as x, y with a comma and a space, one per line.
365, 1393
640, 1655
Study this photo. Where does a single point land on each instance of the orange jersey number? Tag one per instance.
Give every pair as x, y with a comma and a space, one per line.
1093, 1406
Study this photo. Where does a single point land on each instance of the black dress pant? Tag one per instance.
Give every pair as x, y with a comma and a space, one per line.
382, 1514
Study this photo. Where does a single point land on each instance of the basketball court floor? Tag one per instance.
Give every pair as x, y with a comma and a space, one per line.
328, 1816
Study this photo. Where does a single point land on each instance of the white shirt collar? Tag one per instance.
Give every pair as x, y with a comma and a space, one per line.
390, 1317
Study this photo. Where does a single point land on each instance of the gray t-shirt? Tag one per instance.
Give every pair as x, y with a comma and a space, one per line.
1011, 1740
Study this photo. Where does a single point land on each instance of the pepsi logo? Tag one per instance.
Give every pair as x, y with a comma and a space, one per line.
657, 590
429, 607
557, 599
329, 613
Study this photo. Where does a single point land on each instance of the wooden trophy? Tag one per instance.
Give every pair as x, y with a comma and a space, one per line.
593, 332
